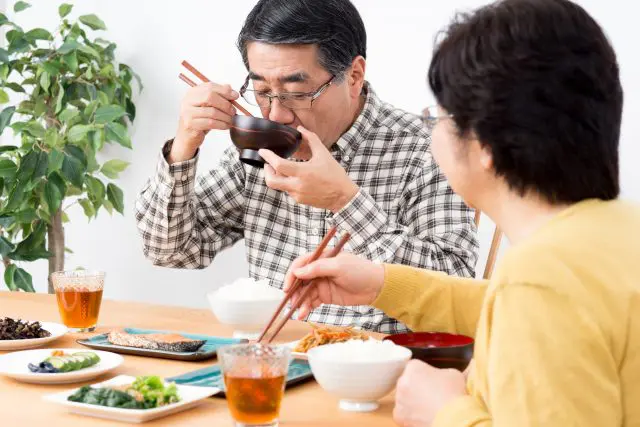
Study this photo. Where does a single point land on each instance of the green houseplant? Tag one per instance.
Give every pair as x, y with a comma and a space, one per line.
71, 97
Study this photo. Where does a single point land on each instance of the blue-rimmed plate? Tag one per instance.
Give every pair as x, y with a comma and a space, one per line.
299, 372
207, 351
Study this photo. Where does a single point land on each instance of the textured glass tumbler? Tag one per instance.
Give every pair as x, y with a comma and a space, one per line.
79, 295
254, 377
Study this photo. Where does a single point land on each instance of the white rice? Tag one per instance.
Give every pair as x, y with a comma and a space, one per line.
358, 351
249, 289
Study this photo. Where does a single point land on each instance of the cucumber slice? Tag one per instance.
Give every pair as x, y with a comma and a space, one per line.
59, 363
86, 360
79, 360
71, 363
91, 355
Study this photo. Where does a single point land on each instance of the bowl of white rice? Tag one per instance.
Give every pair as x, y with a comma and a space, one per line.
358, 372
246, 304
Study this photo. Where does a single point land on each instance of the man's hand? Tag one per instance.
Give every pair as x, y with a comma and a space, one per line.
320, 182
204, 107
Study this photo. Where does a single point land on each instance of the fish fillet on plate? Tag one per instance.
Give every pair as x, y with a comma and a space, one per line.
166, 342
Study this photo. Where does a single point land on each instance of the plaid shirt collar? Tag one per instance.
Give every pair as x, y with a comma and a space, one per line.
347, 145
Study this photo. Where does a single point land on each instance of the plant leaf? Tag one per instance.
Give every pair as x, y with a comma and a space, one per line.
25, 216
4, 97
59, 98
64, 9
7, 168
54, 191
116, 197
118, 133
23, 280
71, 59
65, 217
73, 191
97, 141
4, 56
20, 6
6, 247
89, 51
90, 108
6, 220
38, 34
34, 240
9, 274
42, 165
73, 170
93, 22
27, 166
109, 113
79, 132
103, 98
32, 255
112, 168
15, 87
75, 151
88, 208
5, 148
131, 110
95, 188
108, 206
68, 114
5, 117
51, 137
16, 196
69, 45
45, 81
55, 161
34, 128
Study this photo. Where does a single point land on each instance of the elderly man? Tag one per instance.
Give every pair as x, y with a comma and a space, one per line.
364, 165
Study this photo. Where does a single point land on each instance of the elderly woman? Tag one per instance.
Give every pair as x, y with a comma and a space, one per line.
526, 130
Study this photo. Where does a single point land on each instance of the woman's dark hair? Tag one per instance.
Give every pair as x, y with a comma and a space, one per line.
537, 82
334, 26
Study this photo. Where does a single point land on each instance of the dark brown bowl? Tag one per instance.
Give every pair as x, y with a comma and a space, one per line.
438, 349
250, 134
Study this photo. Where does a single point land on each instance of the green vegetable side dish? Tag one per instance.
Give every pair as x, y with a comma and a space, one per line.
61, 363
145, 393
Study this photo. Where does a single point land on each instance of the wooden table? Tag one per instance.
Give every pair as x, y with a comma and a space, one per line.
22, 405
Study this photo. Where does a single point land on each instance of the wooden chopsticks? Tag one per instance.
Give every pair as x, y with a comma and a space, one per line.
204, 79
307, 288
297, 283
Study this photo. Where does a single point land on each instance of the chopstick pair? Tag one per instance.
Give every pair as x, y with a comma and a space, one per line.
204, 79
297, 284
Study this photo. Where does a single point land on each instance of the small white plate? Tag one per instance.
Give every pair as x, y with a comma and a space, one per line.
294, 354
56, 329
15, 365
189, 397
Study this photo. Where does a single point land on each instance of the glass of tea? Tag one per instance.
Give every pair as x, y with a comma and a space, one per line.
254, 379
79, 294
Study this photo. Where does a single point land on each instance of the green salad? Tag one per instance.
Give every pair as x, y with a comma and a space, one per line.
144, 393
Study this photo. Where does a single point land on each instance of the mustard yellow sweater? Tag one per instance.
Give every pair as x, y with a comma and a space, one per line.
557, 328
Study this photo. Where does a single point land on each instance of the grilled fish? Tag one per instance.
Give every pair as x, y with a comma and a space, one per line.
166, 342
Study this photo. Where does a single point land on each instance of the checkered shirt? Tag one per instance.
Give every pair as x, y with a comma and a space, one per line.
405, 212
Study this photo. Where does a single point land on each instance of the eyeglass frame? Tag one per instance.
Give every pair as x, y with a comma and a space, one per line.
431, 120
312, 95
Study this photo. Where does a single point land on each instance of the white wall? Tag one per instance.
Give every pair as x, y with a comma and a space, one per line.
153, 37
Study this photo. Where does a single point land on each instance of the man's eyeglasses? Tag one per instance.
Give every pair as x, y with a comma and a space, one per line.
289, 100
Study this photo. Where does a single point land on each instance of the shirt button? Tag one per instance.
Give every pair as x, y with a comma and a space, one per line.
184, 178
315, 232
347, 158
